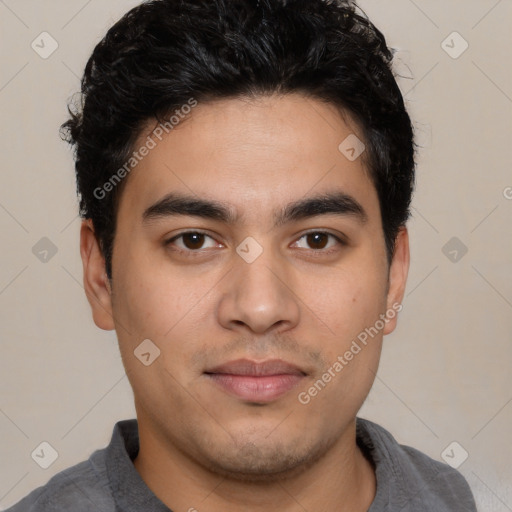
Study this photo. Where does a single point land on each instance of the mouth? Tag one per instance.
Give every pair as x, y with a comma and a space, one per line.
256, 381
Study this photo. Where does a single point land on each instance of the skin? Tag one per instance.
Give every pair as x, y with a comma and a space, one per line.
199, 446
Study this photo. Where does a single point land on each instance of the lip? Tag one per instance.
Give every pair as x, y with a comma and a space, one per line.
256, 381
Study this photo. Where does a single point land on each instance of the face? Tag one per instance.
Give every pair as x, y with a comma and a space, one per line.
250, 251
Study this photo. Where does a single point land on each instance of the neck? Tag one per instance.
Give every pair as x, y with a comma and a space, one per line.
343, 479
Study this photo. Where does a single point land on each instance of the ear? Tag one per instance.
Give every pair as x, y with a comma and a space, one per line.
398, 271
96, 283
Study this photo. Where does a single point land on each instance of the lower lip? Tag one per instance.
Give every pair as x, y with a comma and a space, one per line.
261, 389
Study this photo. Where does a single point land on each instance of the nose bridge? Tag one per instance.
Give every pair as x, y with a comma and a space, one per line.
258, 294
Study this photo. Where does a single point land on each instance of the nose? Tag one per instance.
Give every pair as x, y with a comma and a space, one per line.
259, 296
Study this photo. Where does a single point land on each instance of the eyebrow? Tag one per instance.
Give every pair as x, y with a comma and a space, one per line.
333, 203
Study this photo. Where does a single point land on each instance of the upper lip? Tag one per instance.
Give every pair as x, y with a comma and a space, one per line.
256, 368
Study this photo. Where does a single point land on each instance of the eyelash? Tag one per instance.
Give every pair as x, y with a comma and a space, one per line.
198, 252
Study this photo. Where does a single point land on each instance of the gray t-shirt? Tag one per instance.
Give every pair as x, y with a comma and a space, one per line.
407, 480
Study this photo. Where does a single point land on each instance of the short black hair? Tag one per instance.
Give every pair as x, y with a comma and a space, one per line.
162, 53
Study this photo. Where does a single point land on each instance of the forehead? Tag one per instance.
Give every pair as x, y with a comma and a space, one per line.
254, 154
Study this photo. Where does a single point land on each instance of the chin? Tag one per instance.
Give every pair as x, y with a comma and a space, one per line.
265, 461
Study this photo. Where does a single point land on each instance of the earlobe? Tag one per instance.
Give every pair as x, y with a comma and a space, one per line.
96, 283
398, 272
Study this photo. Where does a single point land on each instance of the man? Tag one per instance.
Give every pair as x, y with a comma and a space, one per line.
245, 170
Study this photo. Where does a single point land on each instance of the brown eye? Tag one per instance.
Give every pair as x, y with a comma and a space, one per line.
193, 240
317, 240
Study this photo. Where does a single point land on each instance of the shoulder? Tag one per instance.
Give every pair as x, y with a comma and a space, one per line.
411, 479
82, 487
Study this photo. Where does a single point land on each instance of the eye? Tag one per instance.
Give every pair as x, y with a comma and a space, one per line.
318, 241
195, 241
192, 241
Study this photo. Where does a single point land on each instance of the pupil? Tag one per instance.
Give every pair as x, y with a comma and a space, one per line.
193, 240
317, 239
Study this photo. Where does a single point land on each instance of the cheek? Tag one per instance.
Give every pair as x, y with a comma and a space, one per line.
161, 308
354, 302
351, 350
166, 305
144, 295
349, 300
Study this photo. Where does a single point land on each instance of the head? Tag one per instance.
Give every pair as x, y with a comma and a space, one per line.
245, 171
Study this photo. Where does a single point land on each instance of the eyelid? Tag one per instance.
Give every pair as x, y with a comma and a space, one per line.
188, 232
339, 236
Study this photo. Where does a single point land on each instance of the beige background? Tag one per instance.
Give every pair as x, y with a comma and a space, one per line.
445, 373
